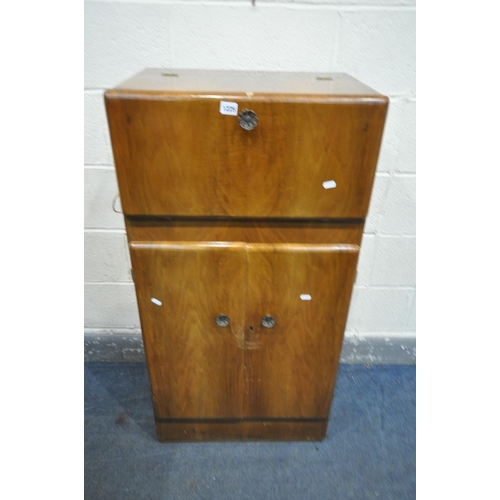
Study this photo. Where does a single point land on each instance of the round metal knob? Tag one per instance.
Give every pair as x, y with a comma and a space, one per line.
247, 119
222, 320
268, 321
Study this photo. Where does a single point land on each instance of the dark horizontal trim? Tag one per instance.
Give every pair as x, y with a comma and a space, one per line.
182, 218
235, 420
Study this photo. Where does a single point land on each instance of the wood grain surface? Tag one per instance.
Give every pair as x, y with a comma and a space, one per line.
201, 370
290, 369
195, 366
184, 158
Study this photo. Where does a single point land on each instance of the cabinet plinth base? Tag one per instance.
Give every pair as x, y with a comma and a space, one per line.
242, 430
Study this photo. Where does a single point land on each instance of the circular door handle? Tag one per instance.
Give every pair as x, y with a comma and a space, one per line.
222, 320
247, 119
268, 321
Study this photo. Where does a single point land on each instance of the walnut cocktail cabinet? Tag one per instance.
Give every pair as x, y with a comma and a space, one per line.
244, 196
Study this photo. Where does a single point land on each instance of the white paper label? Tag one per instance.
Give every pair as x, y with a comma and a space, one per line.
228, 108
329, 184
305, 296
156, 301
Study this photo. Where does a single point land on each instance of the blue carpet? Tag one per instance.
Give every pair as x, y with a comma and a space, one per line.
369, 451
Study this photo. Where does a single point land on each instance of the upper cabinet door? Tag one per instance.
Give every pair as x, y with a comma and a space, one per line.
191, 303
298, 299
305, 158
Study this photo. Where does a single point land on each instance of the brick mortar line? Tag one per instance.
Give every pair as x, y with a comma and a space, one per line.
403, 236
118, 331
409, 288
376, 233
121, 283
261, 4
362, 337
96, 165
94, 90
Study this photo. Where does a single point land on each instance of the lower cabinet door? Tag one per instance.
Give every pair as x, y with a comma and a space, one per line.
195, 364
242, 330
297, 305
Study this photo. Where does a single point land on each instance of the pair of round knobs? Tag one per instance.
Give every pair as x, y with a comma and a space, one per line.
267, 321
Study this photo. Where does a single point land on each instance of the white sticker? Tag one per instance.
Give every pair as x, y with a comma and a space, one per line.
156, 301
228, 108
329, 184
305, 296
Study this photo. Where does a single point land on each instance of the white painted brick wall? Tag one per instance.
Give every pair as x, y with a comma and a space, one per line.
111, 305
123, 38
100, 191
393, 261
372, 40
106, 257
398, 210
264, 38
406, 155
377, 201
379, 48
411, 325
380, 310
391, 138
97, 149
365, 261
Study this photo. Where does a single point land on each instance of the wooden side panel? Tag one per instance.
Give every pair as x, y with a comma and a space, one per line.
195, 366
182, 157
290, 369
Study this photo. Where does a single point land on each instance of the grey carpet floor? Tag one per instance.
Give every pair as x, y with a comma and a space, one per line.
369, 451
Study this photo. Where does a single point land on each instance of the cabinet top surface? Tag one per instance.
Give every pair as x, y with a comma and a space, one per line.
211, 83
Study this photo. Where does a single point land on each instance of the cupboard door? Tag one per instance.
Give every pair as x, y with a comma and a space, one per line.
178, 155
290, 367
195, 366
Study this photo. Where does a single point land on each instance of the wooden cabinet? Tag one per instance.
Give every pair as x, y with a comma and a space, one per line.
244, 238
